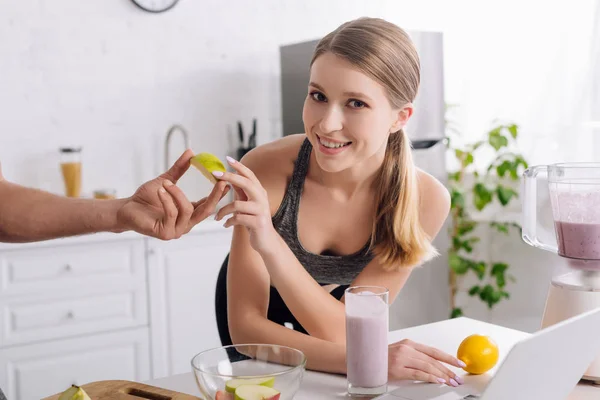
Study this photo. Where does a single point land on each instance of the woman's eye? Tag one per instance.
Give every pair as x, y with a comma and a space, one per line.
318, 96
357, 104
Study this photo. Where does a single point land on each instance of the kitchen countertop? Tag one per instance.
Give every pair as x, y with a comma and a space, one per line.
206, 226
445, 335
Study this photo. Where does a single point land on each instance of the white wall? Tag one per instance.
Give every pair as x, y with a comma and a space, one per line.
107, 76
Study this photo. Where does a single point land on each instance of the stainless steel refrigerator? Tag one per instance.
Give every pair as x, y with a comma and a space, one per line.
425, 297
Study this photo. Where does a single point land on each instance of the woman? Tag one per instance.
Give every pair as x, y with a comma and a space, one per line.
341, 204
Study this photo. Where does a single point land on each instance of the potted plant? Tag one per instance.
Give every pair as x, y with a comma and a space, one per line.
475, 185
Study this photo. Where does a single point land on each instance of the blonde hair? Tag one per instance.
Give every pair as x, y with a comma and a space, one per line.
384, 52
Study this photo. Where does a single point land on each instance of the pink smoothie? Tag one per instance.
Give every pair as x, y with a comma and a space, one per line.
367, 326
578, 240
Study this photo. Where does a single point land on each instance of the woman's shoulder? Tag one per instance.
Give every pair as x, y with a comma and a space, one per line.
276, 157
434, 204
273, 165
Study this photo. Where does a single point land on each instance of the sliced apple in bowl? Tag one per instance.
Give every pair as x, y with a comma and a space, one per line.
233, 384
256, 392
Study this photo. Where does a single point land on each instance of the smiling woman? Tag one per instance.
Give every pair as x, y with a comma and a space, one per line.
341, 204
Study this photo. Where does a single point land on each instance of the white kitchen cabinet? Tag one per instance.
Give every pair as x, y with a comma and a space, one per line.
106, 306
182, 275
72, 289
39, 370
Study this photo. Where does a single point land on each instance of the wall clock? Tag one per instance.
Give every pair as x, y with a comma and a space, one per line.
155, 6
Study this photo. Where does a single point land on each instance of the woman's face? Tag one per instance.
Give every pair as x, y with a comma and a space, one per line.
347, 115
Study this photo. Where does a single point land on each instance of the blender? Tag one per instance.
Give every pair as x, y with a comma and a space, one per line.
574, 191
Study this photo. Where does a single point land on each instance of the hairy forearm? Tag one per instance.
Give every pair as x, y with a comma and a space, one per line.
322, 315
321, 355
29, 215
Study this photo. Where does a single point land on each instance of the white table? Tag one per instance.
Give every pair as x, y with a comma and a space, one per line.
445, 335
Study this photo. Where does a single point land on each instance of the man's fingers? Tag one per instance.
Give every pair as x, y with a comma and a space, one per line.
207, 206
170, 211
185, 208
181, 165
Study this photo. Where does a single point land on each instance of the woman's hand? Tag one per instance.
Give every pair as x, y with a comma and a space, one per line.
250, 208
415, 361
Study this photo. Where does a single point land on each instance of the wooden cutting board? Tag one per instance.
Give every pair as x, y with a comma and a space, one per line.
126, 390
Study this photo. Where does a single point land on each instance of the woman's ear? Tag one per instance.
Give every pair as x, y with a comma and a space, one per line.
402, 117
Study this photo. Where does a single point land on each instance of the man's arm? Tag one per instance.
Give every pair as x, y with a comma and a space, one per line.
158, 208
29, 215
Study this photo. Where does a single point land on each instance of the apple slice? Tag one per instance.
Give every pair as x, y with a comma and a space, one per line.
74, 393
256, 392
208, 163
223, 395
233, 384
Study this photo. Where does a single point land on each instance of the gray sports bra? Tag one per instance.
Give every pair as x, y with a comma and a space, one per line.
324, 268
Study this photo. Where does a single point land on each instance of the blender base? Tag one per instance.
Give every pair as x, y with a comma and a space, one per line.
569, 295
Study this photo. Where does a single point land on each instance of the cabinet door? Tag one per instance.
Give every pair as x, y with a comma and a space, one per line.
182, 277
40, 370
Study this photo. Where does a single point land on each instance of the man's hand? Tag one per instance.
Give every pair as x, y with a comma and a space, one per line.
160, 209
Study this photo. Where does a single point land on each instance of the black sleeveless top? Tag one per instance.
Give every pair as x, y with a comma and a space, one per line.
324, 268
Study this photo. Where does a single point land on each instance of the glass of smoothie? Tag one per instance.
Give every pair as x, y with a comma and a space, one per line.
367, 326
574, 190
70, 165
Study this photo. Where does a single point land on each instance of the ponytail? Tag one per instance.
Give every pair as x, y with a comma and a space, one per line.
398, 239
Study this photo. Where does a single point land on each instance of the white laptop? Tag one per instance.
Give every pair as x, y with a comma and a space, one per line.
546, 365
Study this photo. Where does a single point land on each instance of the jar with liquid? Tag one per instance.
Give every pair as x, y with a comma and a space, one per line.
70, 165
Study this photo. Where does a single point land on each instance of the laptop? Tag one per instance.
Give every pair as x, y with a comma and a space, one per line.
546, 365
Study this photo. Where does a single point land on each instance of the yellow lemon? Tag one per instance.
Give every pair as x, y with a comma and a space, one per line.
479, 352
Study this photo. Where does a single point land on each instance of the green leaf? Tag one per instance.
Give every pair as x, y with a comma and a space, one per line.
513, 130
498, 271
457, 312
458, 244
477, 145
454, 176
505, 194
500, 226
467, 160
481, 196
466, 227
458, 264
479, 269
503, 168
490, 296
459, 154
496, 139
474, 290
497, 142
499, 268
457, 198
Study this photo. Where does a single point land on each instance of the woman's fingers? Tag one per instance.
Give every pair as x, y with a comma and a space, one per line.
243, 170
436, 354
252, 189
238, 206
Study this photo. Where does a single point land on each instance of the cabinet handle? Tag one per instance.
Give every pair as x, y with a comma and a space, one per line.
68, 268
70, 315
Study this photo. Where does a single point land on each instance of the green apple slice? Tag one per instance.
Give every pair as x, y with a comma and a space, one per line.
74, 393
233, 384
256, 392
208, 163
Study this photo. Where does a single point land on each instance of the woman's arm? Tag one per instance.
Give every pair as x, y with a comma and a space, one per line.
248, 298
320, 314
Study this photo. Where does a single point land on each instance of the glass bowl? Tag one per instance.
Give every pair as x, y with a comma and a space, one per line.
249, 372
